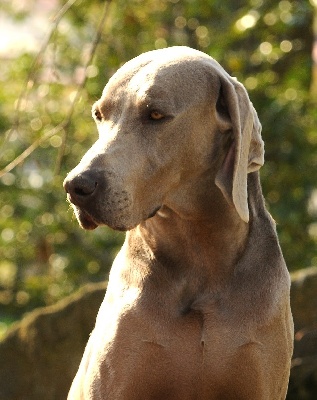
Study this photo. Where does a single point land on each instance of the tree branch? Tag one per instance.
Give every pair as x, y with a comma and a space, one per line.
80, 87
33, 70
29, 83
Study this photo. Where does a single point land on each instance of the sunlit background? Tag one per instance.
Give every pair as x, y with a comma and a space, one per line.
55, 60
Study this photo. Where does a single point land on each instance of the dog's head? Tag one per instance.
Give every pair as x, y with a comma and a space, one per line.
166, 120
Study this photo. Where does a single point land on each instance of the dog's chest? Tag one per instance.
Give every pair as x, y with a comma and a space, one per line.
170, 357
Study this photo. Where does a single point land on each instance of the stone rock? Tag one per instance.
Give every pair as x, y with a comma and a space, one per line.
41, 353
303, 379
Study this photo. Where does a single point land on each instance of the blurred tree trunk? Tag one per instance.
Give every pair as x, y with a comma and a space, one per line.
313, 89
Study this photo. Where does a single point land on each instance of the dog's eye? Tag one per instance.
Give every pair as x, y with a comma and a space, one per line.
156, 115
97, 114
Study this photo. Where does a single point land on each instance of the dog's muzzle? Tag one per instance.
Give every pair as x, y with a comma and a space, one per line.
80, 188
81, 191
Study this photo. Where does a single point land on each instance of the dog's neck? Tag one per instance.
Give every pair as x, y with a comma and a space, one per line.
205, 240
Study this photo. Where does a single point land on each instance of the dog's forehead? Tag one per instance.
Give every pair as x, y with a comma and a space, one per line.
165, 68
164, 58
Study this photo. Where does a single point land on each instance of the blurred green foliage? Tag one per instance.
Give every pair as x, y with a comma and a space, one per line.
44, 255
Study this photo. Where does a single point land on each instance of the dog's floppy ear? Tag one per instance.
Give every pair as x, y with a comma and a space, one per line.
246, 151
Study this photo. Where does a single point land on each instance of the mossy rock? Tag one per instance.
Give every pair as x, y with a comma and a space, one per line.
40, 355
303, 379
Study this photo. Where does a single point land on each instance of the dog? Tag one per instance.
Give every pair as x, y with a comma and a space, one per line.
197, 305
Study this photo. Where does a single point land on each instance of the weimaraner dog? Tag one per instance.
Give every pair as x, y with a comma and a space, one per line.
197, 305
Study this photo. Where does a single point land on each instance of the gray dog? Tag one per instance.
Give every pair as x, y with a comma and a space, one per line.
197, 305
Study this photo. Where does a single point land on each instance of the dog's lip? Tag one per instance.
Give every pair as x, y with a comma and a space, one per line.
153, 213
85, 220
88, 224
72, 200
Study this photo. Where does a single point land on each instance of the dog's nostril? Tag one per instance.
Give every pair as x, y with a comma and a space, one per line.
80, 186
85, 189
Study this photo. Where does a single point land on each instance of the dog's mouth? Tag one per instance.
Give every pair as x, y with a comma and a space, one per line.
85, 220
153, 213
89, 222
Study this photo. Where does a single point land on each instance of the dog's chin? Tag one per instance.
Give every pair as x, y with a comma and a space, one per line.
88, 222
85, 220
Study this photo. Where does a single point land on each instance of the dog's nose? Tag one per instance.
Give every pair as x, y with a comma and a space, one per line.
80, 187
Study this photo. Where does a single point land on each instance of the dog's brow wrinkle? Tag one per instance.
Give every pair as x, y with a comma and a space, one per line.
153, 342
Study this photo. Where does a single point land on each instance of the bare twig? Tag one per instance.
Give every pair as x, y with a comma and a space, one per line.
64, 125
31, 148
33, 70
82, 84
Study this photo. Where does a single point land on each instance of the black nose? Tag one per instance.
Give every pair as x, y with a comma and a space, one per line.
80, 187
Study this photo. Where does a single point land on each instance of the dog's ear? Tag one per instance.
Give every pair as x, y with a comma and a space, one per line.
246, 150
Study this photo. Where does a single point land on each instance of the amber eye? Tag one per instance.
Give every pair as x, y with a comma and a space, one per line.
97, 115
156, 115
